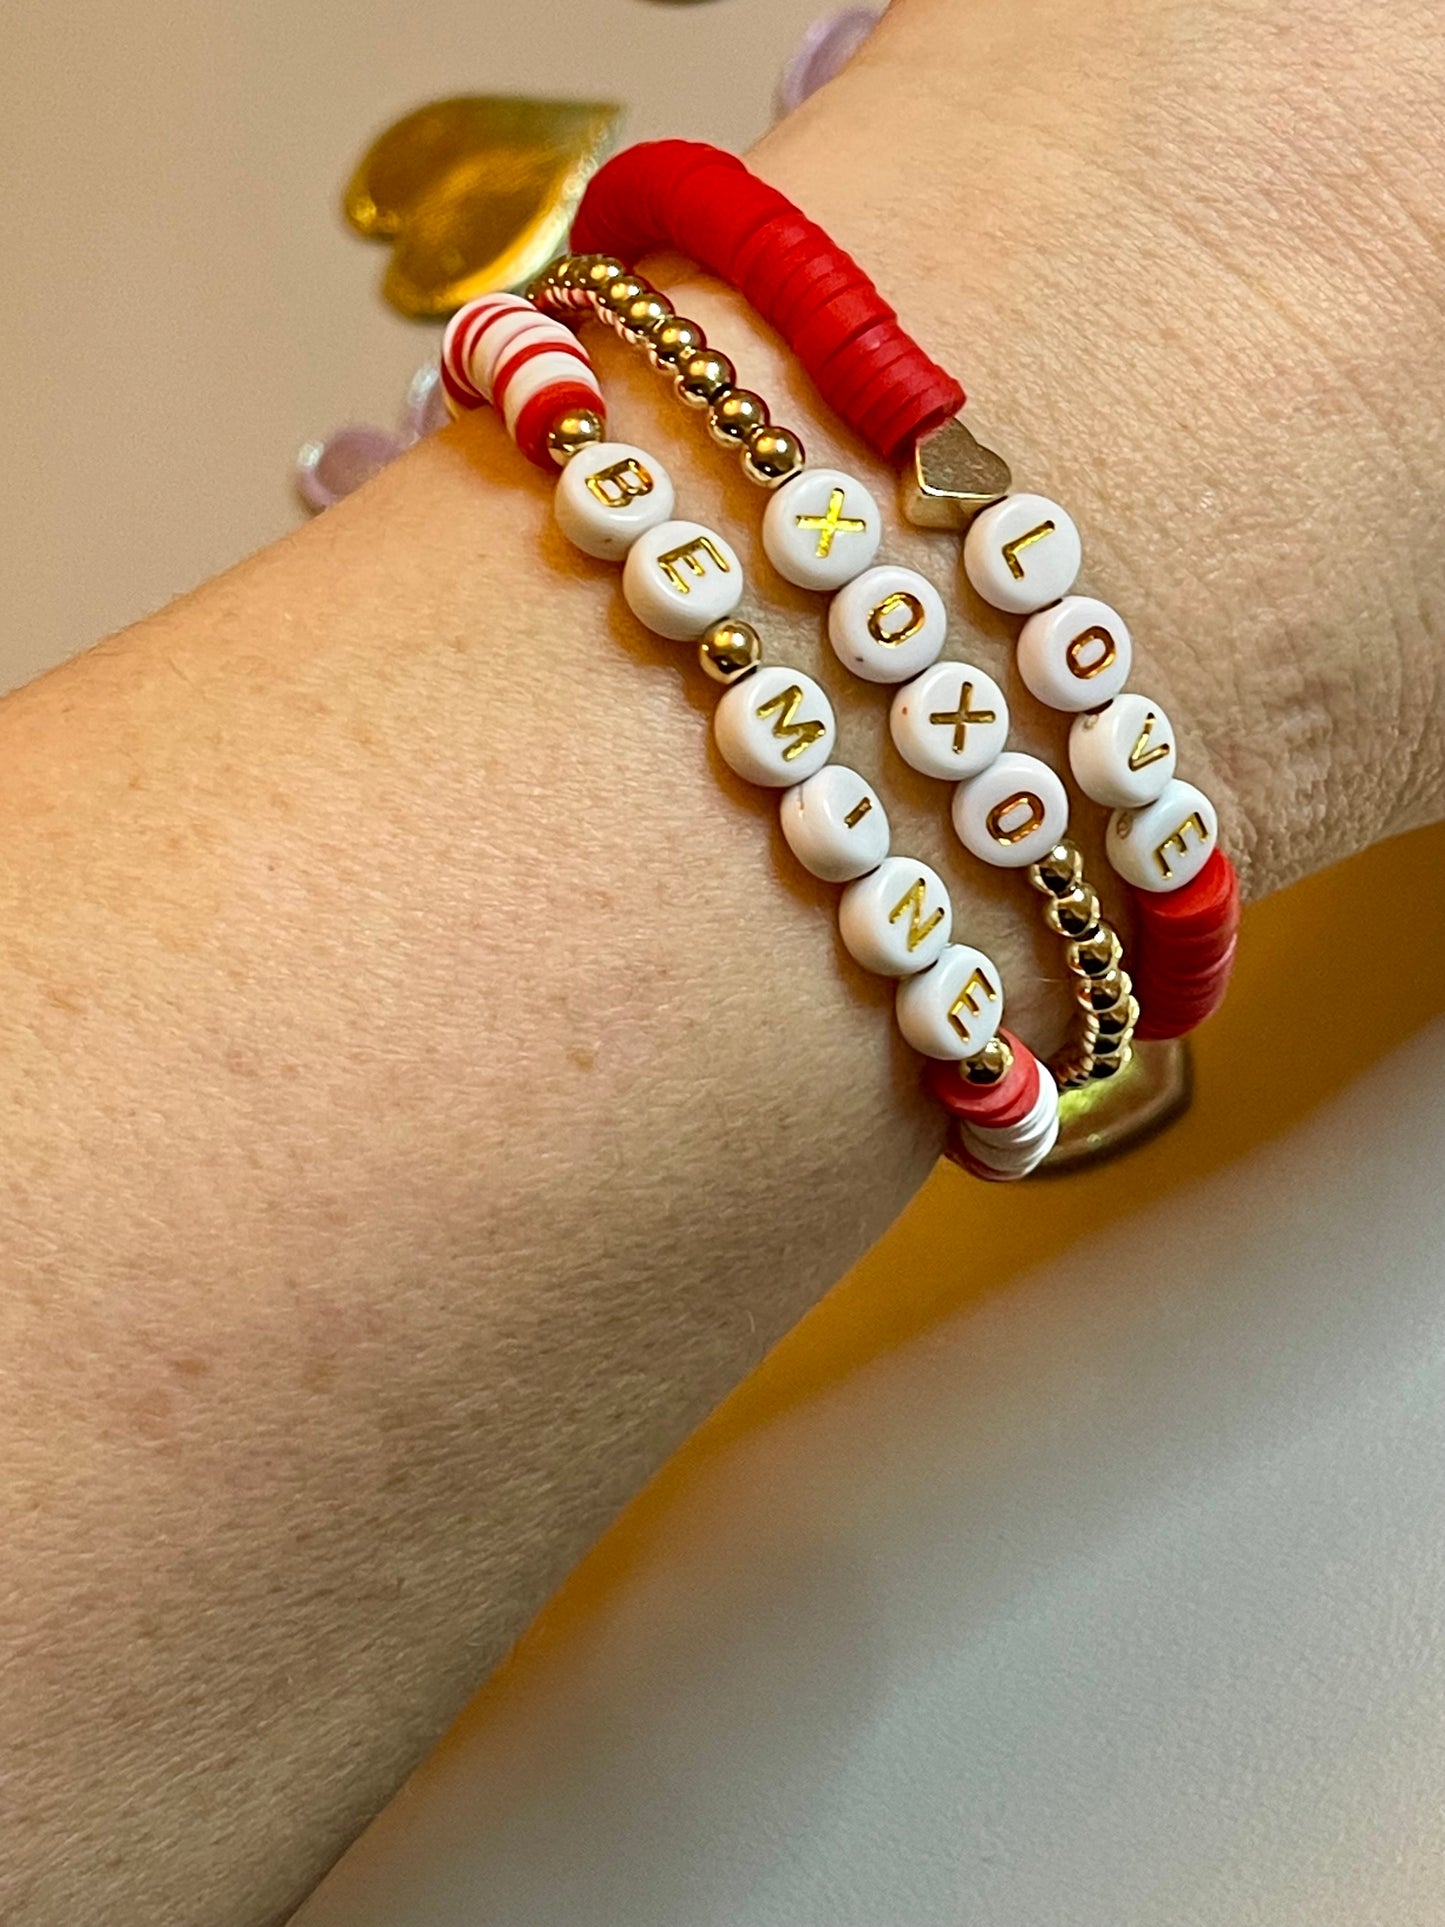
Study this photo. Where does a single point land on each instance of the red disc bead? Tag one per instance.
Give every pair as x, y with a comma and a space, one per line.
538, 415
996, 1105
705, 203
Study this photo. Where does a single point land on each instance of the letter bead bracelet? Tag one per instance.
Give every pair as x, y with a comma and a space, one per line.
823, 530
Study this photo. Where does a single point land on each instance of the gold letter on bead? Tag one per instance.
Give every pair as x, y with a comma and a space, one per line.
624, 482
784, 706
1176, 841
859, 810
1074, 654
693, 556
913, 614
1020, 800
1141, 756
962, 717
967, 1001
913, 901
835, 522
1011, 549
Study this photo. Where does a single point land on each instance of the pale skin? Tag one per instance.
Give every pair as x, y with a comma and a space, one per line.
429, 1087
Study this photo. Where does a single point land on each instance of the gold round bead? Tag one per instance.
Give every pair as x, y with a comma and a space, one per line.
673, 341
579, 428
988, 1065
730, 650
597, 272
1094, 955
1075, 913
638, 319
1103, 992
1119, 1019
704, 377
1059, 872
1109, 1063
772, 454
734, 416
572, 270
618, 293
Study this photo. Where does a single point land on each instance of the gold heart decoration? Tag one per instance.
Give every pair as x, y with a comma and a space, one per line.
476, 194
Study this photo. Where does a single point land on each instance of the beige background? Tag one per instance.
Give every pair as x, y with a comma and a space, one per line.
1100, 1586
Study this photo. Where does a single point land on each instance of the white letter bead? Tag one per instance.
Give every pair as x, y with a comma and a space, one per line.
775, 727
953, 1008
897, 919
1013, 813
951, 721
835, 824
821, 529
1124, 756
680, 578
1075, 655
887, 625
1167, 843
1022, 553
608, 495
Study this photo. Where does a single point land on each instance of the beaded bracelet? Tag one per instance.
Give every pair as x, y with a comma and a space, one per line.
773, 725
888, 624
1022, 552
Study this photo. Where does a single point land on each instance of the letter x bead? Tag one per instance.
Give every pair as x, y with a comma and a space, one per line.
1022, 554
887, 624
897, 919
1013, 813
1124, 755
775, 727
680, 578
952, 721
835, 824
608, 495
821, 529
953, 1008
1076, 655
1167, 843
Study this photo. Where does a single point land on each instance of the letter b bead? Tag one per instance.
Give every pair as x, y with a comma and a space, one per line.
608, 495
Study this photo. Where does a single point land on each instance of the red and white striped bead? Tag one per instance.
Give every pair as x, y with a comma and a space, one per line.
999, 1131
532, 369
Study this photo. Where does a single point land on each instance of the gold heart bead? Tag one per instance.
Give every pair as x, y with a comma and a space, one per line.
476, 193
954, 476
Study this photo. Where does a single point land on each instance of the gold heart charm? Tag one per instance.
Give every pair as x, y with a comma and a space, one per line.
954, 476
476, 194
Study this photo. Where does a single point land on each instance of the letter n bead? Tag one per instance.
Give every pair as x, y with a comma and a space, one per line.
608, 495
896, 920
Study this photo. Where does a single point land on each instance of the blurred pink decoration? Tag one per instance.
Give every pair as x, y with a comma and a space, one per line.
825, 49
336, 467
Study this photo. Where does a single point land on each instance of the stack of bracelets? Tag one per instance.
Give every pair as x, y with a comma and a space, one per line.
822, 530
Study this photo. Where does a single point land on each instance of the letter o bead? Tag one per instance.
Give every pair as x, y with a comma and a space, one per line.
680, 578
887, 624
897, 919
775, 727
608, 495
952, 721
1076, 655
1022, 553
1013, 813
1123, 756
821, 529
953, 1008
1167, 843
835, 824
